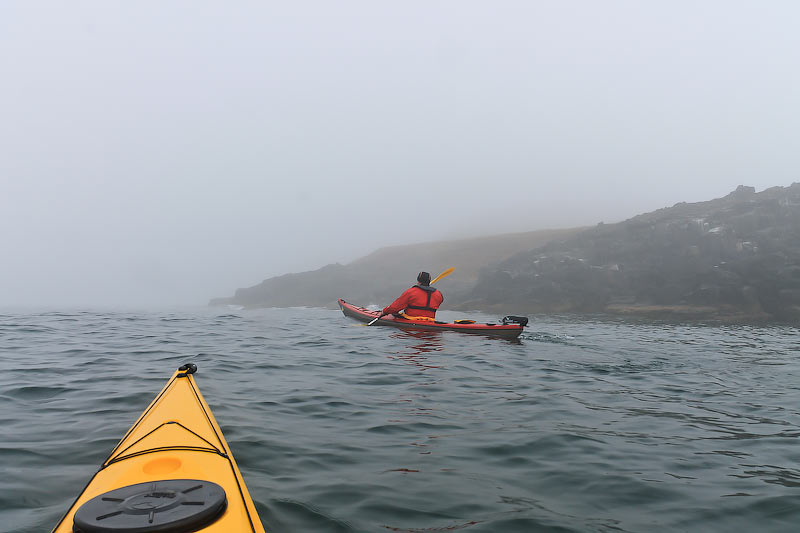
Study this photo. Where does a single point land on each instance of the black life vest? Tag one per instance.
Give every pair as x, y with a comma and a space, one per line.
429, 290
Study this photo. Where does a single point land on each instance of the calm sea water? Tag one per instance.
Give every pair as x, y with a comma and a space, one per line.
580, 426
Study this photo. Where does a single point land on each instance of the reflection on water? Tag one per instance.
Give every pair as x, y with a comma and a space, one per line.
415, 347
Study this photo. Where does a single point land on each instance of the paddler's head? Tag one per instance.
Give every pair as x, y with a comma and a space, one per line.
424, 278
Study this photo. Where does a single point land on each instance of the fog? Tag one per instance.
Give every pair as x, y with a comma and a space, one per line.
163, 153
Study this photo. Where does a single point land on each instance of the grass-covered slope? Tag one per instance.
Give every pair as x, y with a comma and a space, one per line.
382, 275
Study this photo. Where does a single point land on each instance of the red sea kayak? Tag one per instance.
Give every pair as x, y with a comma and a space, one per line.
509, 328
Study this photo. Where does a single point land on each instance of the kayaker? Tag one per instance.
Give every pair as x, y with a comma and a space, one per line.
420, 301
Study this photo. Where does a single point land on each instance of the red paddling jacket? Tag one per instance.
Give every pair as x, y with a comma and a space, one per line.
419, 300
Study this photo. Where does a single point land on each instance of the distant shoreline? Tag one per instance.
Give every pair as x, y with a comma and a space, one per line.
733, 260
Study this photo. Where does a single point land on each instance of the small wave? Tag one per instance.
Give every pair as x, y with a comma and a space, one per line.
547, 337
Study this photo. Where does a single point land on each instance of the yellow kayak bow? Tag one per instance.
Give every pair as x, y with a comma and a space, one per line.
172, 472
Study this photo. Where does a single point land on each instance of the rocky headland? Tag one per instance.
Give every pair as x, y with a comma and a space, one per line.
733, 259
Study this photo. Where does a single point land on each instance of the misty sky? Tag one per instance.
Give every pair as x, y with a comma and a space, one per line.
166, 152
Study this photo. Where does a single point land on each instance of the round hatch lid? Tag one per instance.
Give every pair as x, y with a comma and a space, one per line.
167, 506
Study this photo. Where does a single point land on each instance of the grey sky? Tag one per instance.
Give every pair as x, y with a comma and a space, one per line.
168, 152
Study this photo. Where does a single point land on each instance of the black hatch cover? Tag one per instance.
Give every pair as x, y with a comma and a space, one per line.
168, 506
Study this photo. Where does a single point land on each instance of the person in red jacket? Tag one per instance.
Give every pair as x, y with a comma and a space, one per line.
421, 300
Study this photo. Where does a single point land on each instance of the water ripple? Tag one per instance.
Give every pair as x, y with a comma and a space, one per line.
578, 426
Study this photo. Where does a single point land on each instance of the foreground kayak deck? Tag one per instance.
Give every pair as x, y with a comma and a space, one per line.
363, 314
171, 472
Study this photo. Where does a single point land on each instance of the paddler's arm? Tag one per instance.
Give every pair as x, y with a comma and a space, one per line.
398, 305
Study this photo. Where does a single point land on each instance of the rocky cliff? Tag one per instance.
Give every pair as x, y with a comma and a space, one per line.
734, 258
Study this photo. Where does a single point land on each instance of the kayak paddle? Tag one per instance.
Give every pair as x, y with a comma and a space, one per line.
375, 320
443, 275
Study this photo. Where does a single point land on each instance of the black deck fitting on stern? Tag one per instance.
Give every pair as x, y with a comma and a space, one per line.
188, 368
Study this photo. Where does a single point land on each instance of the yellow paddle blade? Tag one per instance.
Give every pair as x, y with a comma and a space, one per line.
443, 274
